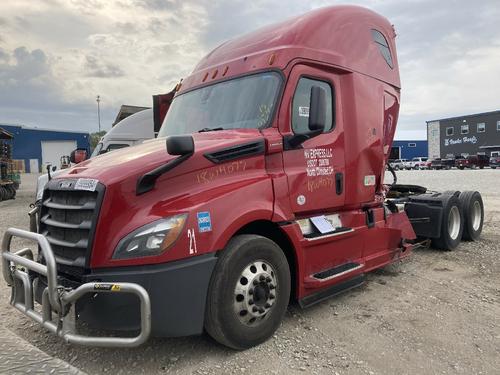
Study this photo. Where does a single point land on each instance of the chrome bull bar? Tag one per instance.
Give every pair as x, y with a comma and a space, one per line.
58, 300
33, 214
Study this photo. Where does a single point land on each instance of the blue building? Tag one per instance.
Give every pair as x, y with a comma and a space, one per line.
408, 149
39, 147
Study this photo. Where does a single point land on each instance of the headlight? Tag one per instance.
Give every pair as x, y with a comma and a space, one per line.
151, 239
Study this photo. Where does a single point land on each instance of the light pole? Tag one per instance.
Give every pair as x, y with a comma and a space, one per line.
98, 100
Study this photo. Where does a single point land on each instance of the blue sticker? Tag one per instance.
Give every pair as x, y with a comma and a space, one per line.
204, 222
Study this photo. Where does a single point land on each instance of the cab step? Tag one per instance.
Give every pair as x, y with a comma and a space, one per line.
332, 291
337, 271
322, 278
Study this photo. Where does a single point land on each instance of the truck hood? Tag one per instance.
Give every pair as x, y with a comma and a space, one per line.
136, 160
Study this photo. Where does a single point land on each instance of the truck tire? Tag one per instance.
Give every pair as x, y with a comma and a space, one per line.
6, 193
11, 193
452, 225
473, 212
248, 293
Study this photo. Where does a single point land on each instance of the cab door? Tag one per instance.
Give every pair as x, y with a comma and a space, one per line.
315, 169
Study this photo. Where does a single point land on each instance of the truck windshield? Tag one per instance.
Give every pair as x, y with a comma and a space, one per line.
241, 103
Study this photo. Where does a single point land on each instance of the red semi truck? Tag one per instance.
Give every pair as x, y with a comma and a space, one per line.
265, 185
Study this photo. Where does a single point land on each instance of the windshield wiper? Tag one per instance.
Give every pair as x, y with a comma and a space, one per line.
209, 130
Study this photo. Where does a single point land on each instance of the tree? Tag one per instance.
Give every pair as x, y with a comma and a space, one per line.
95, 138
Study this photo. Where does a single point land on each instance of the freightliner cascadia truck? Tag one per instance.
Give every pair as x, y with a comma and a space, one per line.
265, 185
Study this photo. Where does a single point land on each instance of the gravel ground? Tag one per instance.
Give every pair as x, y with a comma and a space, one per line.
438, 312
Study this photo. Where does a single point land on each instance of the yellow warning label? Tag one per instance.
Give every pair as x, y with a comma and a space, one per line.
115, 288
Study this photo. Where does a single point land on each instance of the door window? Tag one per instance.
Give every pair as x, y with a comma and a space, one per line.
383, 46
301, 102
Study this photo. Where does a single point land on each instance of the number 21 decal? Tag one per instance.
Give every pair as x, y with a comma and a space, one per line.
192, 241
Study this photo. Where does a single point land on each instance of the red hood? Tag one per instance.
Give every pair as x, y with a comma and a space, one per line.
133, 161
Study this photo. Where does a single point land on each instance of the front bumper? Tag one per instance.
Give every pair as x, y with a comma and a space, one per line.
179, 294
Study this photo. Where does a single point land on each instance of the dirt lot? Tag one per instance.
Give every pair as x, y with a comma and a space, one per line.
435, 313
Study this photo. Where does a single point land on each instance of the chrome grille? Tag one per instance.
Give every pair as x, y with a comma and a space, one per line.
67, 219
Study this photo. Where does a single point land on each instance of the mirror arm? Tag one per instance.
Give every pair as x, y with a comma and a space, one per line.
147, 181
293, 141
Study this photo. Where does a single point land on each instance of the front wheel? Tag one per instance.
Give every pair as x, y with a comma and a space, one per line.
248, 293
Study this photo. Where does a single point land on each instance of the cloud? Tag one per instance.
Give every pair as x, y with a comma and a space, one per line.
158, 4
69, 51
99, 69
4, 55
21, 72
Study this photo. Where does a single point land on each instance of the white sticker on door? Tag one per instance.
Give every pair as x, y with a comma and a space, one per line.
304, 111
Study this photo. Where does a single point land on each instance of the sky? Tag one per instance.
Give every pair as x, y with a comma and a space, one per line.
56, 56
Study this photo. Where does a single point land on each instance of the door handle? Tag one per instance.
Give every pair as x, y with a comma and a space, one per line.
339, 183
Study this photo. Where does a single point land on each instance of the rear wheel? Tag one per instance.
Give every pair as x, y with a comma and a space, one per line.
473, 212
452, 225
248, 293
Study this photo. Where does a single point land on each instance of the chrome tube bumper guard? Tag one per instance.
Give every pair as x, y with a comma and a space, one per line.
33, 214
60, 300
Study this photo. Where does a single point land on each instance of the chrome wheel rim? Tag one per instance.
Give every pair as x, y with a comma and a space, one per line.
454, 222
476, 215
255, 292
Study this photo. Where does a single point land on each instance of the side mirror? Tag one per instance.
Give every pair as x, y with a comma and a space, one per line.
78, 155
317, 119
317, 109
180, 145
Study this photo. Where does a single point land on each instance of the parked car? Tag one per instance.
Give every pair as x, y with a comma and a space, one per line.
473, 161
395, 163
400, 164
418, 163
439, 163
495, 162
